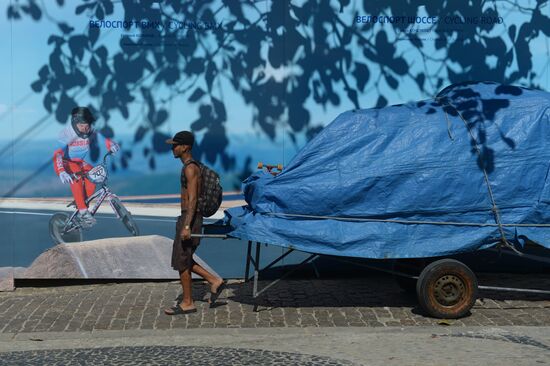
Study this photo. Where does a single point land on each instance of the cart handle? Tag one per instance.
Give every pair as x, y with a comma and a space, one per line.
214, 236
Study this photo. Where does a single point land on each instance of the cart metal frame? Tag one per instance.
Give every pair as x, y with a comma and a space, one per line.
253, 256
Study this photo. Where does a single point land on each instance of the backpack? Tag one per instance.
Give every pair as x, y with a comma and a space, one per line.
210, 199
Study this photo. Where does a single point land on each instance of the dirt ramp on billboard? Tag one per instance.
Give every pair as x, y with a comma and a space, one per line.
146, 257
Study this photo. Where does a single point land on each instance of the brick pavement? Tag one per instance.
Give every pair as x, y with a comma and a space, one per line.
374, 301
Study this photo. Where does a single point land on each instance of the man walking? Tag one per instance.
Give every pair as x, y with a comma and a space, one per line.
189, 222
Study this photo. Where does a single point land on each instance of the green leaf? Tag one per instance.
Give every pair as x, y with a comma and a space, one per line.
211, 72
65, 28
361, 74
392, 82
219, 108
37, 86
93, 35
197, 94
55, 39
81, 8
140, 134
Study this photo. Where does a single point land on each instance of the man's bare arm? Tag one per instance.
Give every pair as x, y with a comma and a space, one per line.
183, 196
192, 175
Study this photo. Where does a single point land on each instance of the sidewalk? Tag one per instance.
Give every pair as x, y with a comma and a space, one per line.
374, 301
362, 321
285, 346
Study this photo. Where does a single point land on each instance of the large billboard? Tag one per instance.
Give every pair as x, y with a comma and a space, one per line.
253, 79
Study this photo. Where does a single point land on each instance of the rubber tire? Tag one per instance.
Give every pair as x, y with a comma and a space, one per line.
56, 225
455, 276
126, 217
130, 224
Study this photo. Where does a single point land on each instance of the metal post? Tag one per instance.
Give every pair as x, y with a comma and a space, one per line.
256, 270
256, 276
247, 267
316, 270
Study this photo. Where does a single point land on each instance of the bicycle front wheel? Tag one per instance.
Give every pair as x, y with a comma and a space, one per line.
125, 216
130, 224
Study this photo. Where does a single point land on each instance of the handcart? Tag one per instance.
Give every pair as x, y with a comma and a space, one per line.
416, 183
445, 287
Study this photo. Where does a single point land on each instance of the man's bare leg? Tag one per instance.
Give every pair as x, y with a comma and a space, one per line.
214, 281
186, 306
187, 286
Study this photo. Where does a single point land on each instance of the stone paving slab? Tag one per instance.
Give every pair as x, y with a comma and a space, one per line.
286, 346
163, 355
364, 302
362, 321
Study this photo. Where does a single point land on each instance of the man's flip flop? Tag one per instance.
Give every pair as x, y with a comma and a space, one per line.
177, 310
214, 295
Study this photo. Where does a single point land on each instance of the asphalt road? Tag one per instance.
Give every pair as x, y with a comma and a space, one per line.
25, 235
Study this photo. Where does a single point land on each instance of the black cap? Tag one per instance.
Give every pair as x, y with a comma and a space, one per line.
182, 138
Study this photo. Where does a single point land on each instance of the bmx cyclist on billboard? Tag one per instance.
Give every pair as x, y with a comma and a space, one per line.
69, 159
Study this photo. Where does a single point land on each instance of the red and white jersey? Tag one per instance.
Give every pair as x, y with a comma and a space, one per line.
74, 148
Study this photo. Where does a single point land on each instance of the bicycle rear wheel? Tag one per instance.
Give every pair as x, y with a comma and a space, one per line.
58, 229
125, 216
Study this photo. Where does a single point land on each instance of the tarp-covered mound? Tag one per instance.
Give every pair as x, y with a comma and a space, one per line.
412, 180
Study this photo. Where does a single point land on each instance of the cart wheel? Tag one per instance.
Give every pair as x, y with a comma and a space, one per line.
447, 288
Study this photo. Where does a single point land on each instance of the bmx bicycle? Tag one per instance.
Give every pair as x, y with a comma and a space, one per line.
66, 228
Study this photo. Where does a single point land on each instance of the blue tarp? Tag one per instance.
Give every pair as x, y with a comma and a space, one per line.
412, 180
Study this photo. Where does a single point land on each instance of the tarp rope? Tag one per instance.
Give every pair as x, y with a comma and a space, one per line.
397, 221
495, 209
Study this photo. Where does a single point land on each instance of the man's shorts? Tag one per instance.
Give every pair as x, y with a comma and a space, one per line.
182, 250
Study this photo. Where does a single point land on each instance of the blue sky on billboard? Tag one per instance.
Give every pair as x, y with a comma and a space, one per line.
313, 61
31, 39
27, 60
30, 122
